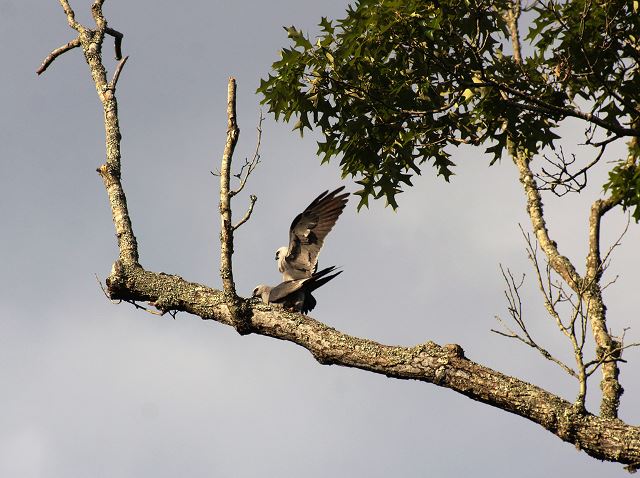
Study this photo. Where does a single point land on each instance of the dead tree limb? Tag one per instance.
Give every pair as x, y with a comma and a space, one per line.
240, 312
226, 226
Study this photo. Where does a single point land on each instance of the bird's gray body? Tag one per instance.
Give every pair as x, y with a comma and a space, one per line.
295, 294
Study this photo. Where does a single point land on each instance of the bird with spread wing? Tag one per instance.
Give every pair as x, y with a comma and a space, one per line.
298, 262
307, 233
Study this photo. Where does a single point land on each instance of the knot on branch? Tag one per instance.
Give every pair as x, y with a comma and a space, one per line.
109, 172
117, 281
323, 358
567, 423
241, 313
454, 350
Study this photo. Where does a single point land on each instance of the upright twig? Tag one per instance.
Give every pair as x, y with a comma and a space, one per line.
239, 311
226, 226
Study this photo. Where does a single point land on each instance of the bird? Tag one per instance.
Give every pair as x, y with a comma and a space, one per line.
295, 294
299, 260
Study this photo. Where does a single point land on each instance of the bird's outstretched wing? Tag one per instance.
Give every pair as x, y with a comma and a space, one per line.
307, 233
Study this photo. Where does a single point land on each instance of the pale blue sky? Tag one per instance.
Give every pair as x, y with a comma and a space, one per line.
96, 389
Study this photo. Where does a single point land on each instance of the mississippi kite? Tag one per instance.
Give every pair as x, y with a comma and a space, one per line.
295, 294
306, 235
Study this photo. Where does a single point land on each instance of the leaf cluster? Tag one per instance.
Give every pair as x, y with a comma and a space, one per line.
397, 83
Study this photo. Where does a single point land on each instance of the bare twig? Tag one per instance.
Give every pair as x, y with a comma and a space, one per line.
56, 53
571, 182
252, 201
514, 302
116, 74
117, 40
605, 260
104, 291
249, 166
614, 355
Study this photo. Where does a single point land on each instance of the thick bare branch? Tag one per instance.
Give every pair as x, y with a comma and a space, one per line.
445, 366
561, 264
606, 347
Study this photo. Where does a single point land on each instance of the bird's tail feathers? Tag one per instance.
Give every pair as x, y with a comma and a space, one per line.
321, 278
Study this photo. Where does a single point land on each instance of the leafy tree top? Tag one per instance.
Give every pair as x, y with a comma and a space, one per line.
398, 83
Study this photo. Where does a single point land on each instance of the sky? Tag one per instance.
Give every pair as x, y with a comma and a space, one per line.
92, 388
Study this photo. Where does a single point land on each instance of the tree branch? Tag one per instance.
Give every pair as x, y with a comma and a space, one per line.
561, 264
91, 42
117, 41
596, 310
252, 201
444, 366
71, 17
56, 53
536, 104
116, 74
236, 306
588, 288
512, 15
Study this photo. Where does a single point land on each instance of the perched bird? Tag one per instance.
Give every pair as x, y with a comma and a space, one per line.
307, 233
295, 294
